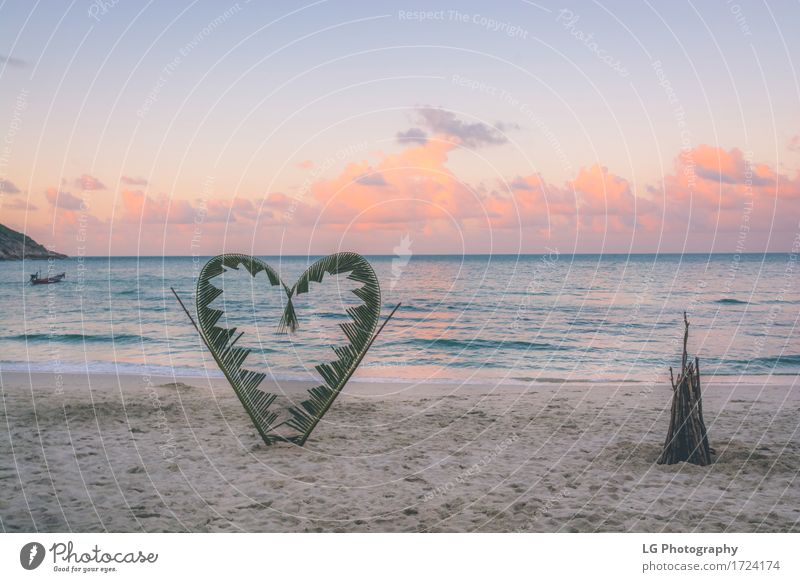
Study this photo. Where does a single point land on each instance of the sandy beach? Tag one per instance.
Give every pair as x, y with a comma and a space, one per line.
133, 453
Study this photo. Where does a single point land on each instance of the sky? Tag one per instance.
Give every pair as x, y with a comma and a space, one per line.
195, 128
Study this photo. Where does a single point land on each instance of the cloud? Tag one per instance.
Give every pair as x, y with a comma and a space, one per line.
133, 181
305, 165
87, 182
473, 135
12, 61
237, 209
371, 179
138, 207
728, 194
717, 176
9, 187
730, 167
63, 200
606, 201
601, 192
520, 183
18, 204
412, 136
415, 187
417, 191
527, 201
794, 143
714, 199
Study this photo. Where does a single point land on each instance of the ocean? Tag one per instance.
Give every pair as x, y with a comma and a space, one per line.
508, 319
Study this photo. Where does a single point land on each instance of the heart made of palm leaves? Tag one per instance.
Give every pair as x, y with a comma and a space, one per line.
360, 332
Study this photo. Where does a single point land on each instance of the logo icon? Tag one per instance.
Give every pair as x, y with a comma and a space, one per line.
402, 255
31, 555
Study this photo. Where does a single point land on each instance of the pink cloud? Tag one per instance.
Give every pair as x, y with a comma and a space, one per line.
138, 207
709, 199
606, 201
706, 193
730, 167
733, 202
234, 210
87, 182
412, 186
526, 201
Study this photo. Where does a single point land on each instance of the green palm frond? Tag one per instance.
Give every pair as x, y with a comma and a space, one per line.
230, 358
360, 332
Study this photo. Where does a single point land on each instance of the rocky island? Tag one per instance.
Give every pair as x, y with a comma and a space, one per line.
16, 246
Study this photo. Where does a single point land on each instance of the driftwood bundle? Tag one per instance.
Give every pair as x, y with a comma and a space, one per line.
687, 439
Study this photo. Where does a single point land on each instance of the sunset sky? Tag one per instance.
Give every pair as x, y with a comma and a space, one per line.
199, 127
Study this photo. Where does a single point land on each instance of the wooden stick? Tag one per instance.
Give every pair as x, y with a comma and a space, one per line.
687, 438
685, 341
186, 311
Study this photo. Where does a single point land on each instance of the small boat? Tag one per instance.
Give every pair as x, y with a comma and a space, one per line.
37, 280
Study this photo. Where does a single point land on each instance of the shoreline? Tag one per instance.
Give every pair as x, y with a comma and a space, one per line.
213, 374
122, 453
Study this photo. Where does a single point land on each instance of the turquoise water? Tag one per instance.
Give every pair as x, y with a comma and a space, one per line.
531, 318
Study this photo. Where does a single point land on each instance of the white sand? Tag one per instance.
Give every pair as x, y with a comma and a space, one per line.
127, 457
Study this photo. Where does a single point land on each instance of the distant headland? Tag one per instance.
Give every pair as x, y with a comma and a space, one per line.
15, 246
